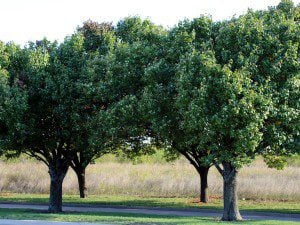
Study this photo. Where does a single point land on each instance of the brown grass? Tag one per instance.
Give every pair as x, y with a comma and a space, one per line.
161, 180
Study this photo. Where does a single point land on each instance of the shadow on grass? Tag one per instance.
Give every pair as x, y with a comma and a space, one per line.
120, 218
122, 202
148, 202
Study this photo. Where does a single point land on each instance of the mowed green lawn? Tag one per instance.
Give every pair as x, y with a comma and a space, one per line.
136, 201
124, 218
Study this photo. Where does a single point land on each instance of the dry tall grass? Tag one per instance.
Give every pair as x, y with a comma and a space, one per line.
162, 180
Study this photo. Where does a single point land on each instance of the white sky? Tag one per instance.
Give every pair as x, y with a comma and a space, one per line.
24, 20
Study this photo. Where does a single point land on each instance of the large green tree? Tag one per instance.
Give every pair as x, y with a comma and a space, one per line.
226, 112
12, 98
267, 43
242, 98
62, 106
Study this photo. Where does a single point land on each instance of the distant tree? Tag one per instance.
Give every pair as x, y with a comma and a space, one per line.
97, 36
160, 97
119, 67
98, 41
140, 43
135, 29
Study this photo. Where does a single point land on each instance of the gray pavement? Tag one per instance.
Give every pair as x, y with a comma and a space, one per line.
160, 211
39, 222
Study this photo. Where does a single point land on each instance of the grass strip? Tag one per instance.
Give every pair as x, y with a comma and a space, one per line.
123, 218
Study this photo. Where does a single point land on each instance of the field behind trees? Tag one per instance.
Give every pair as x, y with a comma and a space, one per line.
151, 176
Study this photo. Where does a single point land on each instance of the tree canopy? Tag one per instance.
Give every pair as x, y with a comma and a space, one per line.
219, 93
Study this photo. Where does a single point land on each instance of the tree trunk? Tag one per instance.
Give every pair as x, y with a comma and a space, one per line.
231, 210
55, 201
203, 171
81, 182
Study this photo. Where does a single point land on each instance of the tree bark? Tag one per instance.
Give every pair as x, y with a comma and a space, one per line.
231, 210
57, 176
80, 172
203, 171
194, 159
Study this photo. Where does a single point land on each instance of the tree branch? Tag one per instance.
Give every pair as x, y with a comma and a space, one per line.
219, 169
191, 160
38, 157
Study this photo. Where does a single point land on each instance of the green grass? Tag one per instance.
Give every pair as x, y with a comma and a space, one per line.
123, 218
136, 201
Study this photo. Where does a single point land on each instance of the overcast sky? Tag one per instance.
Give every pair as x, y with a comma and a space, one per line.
24, 20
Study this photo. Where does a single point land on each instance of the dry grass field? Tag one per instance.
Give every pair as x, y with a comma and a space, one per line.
177, 179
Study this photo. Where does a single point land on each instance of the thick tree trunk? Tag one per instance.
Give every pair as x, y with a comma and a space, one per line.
81, 182
55, 201
231, 210
203, 171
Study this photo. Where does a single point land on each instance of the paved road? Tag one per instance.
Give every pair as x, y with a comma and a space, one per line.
160, 211
39, 222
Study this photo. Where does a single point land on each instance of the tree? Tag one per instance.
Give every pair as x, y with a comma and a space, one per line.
118, 67
98, 41
63, 102
12, 99
160, 96
139, 45
135, 29
226, 111
241, 97
87, 100
4, 91
267, 43
97, 36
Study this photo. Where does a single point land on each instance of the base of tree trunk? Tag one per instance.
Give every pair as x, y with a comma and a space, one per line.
81, 183
203, 171
231, 210
55, 200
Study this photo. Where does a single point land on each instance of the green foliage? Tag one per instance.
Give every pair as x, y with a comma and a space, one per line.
294, 160
12, 101
134, 29
266, 43
139, 47
61, 103
160, 94
276, 162
97, 36
222, 107
228, 89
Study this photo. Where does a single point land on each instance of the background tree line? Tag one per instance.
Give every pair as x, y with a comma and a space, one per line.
218, 93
